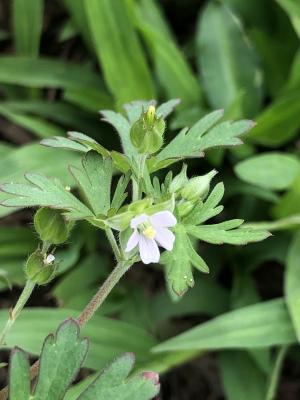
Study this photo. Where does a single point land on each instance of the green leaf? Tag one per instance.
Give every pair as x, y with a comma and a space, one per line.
289, 203
61, 358
36, 125
262, 325
275, 171
205, 135
207, 210
33, 157
119, 51
43, 191
108, 337
19, 388
47, 72
176, 78
291, 282
27, 24
94, 179
79, 19
242, 379
113, 383
290, 222
227, 61
225, 232
292, 7
122, 126
279, 122
179, 262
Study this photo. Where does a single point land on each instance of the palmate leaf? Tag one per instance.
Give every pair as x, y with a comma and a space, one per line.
94, 179
180, 261
183, 257
113, 383
61, 358
205, 134
43, 191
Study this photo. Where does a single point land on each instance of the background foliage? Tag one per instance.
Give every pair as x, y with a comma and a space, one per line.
61, 62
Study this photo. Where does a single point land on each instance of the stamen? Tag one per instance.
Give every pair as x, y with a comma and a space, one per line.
149, 232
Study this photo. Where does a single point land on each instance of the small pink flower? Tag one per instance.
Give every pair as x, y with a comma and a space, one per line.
149, 232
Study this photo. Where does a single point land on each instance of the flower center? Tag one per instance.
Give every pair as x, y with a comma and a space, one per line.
149, 232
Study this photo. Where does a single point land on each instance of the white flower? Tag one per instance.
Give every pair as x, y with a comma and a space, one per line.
49, 259
149, 232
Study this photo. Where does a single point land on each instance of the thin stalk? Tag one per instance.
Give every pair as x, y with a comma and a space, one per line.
275, 374
112, 240
103, 292
14, 313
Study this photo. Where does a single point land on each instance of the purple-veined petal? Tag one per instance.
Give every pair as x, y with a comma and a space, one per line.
138, 220
149, 250
165, 238
133, 241
163, 219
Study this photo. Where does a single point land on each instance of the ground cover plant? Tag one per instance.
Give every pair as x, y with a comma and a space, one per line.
136, 138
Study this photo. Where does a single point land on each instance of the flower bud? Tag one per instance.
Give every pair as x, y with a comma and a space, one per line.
147, 132
51, 225
179, 180
198, 187
40, 268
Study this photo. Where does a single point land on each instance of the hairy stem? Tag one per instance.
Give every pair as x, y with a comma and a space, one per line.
112, 240
14, 313
103, 292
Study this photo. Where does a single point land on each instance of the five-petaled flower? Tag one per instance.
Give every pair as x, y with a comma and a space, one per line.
149, 232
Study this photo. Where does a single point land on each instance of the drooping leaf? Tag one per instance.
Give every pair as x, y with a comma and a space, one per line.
292, 282
47, 72
261, 325
271, 170
43, 191
108, 337
119, 51
94, 179
27, 24
113, 383
242, 379
292, 7
228, 63
176, 78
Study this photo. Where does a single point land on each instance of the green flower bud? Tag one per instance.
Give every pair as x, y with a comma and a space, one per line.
198, 187
51, 225
40, 268
147, 132
179, 181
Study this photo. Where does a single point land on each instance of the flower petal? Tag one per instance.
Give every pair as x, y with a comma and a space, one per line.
149, 251
165, 238
133, 241
138, 220
163, 219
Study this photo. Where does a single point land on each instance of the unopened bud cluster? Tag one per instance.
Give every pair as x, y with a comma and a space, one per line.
148, 131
